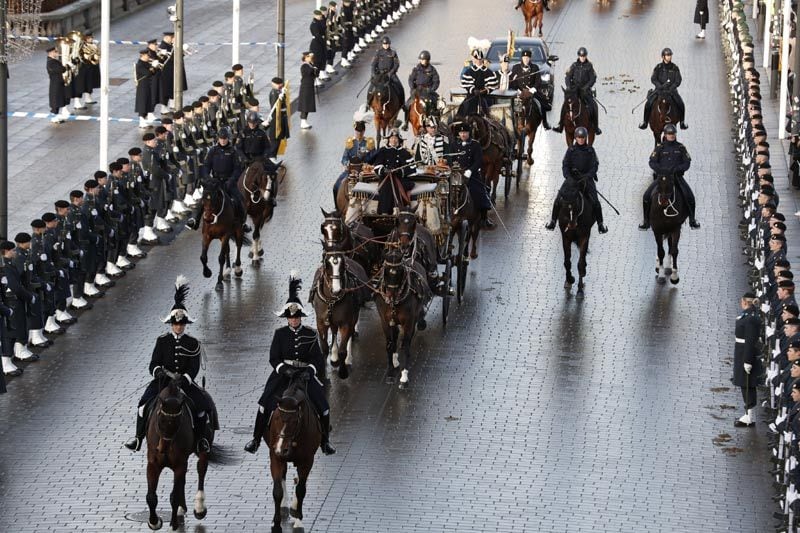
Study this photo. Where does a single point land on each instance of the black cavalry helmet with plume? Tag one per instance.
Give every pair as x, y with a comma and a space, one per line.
178, 314
293, 308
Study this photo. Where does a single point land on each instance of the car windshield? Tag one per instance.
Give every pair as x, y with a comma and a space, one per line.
500, 48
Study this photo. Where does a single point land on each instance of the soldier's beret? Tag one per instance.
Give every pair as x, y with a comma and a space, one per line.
22, 237
317, 12
779, 216
778, 237
61, 204
252, 102
323, 9
779, 225
765, 165
331, 3
100, 175
217, 83
213, 92
792, 321
769, 190
796, 362
187, 109
123, 161
144, 52
796, 385
770, 205
230, 74
169, 34
176, 115
152, 41
149, 136
7, 245
203, 99
749, 295
237, 66
306, 54
783, 263
48, 217
161, 130
197, 104
135, 151
38, 223
75, 194
768, 178
51, 49
792, 309
786, 284
277, 80
786, 274
114, 167
90, 184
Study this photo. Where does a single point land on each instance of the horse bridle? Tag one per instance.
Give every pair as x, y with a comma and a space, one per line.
162, 412
339, 224
293, 437
670, 203
254, 196
572, 116
221, 208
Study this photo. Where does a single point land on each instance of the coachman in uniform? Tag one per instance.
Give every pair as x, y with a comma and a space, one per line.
470, 159
293, 347
178, 353
746, 356
393, 159
478, 80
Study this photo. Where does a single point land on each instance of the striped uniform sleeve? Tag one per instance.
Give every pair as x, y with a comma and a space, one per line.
493, 81
467, 81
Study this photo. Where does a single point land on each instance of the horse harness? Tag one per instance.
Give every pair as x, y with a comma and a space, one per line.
670, 210
256, 196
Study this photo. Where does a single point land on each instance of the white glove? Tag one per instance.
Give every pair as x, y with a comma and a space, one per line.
468, 173
770, 331
33, 299
748, 367
765, 308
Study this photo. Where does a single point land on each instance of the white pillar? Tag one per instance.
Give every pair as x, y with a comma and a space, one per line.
767, 35
755, 8
787, 28
105, 29
235, 38
319, 4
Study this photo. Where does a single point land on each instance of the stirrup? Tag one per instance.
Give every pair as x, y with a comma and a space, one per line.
252, 446
203, 445
550, 226
644, 226
602, 228
134, 445
643, 126
694, 224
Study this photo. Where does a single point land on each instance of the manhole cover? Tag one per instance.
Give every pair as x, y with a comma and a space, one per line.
141, 516
116, 82
240, 430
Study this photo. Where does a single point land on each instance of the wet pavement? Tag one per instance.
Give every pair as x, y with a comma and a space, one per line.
531, 411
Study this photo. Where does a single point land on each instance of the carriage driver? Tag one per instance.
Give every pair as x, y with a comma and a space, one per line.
293, 347
387, 63
424, 81
469, 156
178, 353
544, 2
666, 78
580, 163
670, 158
222, 163
581, 77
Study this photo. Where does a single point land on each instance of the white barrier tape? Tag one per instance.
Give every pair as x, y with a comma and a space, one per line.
144, 43
70, 118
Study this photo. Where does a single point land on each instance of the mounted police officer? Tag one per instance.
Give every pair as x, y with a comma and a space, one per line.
294, 348
666, 78
386, 63
670, 158
395, 159
580, 164
357, 146
581, 77
423, 81
254, 143
431, 146
469, 156
526, 75
478, 80
746, 356
178, 353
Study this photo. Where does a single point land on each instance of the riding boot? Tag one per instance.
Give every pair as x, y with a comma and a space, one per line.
546, 7
258, 432
519, 3
203, 437
486, 222
135, 444
682, 111
545, 123
598, 216
550, 226
644, 226
194, 220
647, 110
558, 128
325, 443
688, 196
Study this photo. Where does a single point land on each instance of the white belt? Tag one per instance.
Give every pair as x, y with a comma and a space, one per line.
301, 364
739, 341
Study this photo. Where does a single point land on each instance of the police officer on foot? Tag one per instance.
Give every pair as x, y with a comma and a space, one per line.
746, 361
294, 348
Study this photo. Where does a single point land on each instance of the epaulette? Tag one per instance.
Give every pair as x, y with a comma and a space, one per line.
162, 336
370, 143
348, 144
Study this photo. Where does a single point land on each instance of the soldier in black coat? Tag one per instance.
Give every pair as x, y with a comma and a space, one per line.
178, 353
307, 102
701, 17
145, 104
294, 348
168, 72
58, 91
470, 159
746, 361
396, 159
278, 120
317, 46
20, 299
666, 78
14, 298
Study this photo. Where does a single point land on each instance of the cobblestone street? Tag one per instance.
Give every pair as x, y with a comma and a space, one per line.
532, 411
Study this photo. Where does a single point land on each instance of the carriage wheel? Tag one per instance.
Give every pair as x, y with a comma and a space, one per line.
461, 262
448, 271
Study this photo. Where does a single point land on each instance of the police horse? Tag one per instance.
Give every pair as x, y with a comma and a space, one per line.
170, 442
668, 211
422, 106
663, 112
533, 11
575, 220
259, 188
294, 435
220, 222
385, 104
575, 114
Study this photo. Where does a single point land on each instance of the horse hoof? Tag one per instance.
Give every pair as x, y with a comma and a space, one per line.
278, 529
579, 294
344, 373
219, 286
473, 255
238, 272
250, 255
284, 515
389, 380
206, 272
674, 281
156, 526
661, 280
335, 364
201, 515
260, 253
355, 334
530, 161
568, 286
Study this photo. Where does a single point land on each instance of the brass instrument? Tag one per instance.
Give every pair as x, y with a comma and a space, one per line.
89, 52
511, 42
69, 49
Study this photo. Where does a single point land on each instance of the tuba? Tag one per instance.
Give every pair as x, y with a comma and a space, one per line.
89, 52
69, 47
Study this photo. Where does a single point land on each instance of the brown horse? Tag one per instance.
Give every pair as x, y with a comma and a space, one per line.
417, 244
575, 219
575, 114
220, 222
293, 436
527, 119
662, 113
259, 190
497, 146
533, 11
422, 106
668, 212
356, 240
170, 442
403, 295
385, 103
465, 219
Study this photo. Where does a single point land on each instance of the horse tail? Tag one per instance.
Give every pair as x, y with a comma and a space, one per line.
222, 455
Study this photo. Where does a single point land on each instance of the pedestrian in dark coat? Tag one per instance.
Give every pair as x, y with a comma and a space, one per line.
701, 17
746, 362
307, 99
58, 91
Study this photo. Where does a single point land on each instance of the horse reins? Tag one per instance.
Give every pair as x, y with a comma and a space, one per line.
221, 209
670, 204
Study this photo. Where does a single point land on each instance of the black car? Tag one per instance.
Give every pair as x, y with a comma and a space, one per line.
540, 55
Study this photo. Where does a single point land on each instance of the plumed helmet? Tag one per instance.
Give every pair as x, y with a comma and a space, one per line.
670, 129
425, 55
293, 308
178, 314
581, 133
582, 51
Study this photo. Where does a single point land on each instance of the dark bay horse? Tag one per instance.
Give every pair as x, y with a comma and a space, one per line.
403, 295
293, 436
575, 219
385, 103
417, 244
533, 11
668, 211
422, 106
465, 219
220, 223
497, 146
170, 442
574, 114
340, 289
259, 189
663, 112
355, 239
527, 119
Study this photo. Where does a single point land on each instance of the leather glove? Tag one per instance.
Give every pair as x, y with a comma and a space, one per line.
159, 373
748, 368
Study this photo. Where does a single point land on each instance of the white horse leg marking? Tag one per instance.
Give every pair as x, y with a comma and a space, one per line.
349, 359
396, 360
181, 511
200, 501
335, 350
295, 503
298, 524
404, 376
285, 499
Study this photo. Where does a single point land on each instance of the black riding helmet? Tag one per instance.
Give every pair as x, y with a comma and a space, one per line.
670, 129
224, 133
425, 55
582, 51
581, 133
386, 40
666, 52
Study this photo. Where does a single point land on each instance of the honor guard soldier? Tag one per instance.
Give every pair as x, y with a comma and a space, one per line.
28, 270
7, 319
143, 72
307, 100
581, 78
746, 356
347, 20
356, 146
395, 159
155, 169
580, 164
20, 298
58, 91
670, 158
666, 78
45, 269
69, 218
525, 75
385, 64
278, 120
333, 37
179, 354
294, 347
423, 81
478, 80
59, 255
469, 156
432, 146
317, 46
